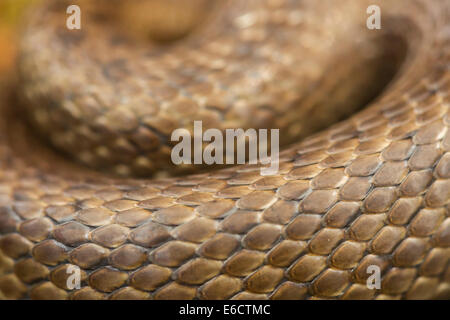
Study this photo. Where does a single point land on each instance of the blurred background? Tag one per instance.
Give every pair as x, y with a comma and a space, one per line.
11, 12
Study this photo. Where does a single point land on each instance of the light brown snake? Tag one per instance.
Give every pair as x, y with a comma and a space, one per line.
371, 190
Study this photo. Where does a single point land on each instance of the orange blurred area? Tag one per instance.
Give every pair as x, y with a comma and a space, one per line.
10, 14
7, 48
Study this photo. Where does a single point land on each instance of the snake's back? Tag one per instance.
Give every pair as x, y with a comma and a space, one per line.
372, 190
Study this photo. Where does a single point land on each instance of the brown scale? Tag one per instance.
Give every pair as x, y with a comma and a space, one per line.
371, 190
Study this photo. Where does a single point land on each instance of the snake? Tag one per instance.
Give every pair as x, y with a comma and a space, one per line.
363, 184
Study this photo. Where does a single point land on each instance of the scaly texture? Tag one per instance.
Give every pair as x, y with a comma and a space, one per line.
372, 190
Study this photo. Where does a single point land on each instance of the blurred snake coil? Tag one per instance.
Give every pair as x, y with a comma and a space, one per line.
86, 178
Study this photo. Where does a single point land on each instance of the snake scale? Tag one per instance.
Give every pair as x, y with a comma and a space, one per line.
372, 190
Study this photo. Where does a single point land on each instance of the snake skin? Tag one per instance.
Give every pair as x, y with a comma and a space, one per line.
371, 190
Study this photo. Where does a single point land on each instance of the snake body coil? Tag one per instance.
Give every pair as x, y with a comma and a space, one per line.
373, 190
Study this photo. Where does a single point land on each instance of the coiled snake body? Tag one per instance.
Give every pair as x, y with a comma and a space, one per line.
373, 190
